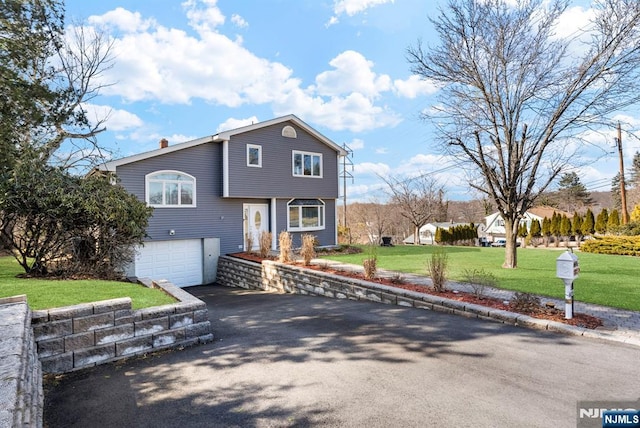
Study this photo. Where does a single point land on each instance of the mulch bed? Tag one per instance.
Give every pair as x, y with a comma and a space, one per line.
542, 312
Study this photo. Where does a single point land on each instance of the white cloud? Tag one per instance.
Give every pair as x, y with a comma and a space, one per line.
157, 63
232, 123
115, 119
574, 20
414, 86
382, 151
123, 20
356, 144
352, 7
352, 73
239, 21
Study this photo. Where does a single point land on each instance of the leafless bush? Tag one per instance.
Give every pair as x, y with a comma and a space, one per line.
370, 264
479, 279
525, 302
284, 239
437, 269
265, 243
308, 251
397, 278
248, 239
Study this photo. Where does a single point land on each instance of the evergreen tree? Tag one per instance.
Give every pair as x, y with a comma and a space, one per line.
535, 231
613, 221
589, 223
522, 233
601, 221
572, 193
565, 228
546, 230
438, 236
577, 227
634, 171
615, 192
555, 228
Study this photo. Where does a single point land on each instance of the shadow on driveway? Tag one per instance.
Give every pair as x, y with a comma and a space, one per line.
290, 360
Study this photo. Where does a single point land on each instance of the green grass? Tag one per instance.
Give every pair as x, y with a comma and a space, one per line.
604, 279
45, 293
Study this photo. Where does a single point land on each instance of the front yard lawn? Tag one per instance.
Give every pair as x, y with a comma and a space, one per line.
604, 279
48, 293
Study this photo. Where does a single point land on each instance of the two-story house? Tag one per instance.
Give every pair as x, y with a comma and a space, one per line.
209, 193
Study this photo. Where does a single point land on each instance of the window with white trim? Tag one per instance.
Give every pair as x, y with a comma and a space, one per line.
307, 164
305, 214
254, 155
170, 189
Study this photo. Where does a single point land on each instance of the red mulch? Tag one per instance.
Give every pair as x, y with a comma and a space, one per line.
553, 314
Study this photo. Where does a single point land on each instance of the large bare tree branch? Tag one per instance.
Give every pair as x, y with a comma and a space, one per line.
513, 93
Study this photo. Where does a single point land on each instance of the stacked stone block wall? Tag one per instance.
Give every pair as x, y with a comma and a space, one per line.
284, 278
84, 335
21, 398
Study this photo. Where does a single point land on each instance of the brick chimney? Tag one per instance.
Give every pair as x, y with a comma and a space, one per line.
164, 143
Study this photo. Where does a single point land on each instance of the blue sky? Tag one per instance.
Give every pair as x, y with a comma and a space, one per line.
187, 69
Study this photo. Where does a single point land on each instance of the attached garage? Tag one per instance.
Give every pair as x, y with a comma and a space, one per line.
178, 261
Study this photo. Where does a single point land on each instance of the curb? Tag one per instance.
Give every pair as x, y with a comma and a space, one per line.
473, 310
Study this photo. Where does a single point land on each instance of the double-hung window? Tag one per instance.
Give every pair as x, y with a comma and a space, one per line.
170, 189
305, 214
307, 164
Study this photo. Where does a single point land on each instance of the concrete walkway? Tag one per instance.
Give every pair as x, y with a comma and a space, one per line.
618, 322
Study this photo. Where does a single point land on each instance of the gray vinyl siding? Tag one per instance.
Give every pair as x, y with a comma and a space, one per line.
275, 177
213, 217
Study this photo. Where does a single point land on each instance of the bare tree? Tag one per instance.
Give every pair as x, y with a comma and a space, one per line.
513, 92
418, 199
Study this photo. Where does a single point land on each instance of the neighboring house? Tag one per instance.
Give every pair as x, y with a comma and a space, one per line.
427, 232
209, 193
495, 223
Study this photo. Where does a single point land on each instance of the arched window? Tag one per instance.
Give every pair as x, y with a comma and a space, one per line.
170, 189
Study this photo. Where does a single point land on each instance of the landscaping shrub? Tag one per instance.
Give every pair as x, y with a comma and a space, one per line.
479, 279
248, 239
370, 264
284, 239
308, 251
618, 245
265, 243
525, 302
437, 269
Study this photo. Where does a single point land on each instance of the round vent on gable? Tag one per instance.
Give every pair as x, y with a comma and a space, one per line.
289, 132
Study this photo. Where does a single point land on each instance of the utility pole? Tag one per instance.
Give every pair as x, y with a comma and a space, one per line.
344, 174
623, 191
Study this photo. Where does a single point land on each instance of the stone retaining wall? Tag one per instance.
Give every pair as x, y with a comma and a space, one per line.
84, 335
21, 399
284, 278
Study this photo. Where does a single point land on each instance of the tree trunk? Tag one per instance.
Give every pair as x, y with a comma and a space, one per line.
510, 255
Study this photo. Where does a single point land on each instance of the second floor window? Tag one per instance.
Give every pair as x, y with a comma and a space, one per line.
254, 155
307, 164
170, 189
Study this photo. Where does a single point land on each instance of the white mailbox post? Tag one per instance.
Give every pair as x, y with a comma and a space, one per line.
567, 269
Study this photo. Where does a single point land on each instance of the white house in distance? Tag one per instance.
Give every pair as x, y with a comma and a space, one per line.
427, 232
495, 223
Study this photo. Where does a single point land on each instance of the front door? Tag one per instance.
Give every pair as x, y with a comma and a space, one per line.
256, 220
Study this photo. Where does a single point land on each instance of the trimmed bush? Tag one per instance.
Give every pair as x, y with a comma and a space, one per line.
618, 245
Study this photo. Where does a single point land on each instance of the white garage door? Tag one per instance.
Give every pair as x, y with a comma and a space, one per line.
177, 261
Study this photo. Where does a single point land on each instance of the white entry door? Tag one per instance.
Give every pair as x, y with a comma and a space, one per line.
256, 220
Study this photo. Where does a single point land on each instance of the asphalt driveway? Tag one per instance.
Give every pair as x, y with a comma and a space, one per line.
290, 360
